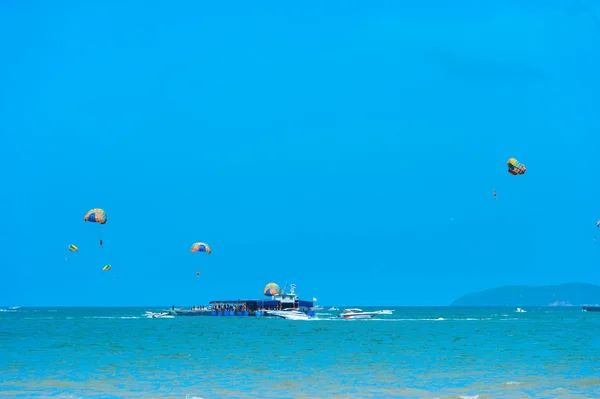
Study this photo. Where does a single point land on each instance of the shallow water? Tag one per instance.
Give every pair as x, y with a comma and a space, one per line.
416, 353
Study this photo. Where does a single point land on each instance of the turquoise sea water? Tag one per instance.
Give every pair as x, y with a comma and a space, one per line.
416, 353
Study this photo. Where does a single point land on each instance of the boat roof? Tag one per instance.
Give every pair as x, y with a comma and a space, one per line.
267, 302
239, 300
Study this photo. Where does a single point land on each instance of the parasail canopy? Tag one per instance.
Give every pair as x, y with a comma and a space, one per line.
515, 167
200, 247
95, 215
272, 289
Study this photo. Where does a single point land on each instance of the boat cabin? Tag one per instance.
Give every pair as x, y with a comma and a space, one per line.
278, 302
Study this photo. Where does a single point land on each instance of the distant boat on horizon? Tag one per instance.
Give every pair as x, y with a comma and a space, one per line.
590, 308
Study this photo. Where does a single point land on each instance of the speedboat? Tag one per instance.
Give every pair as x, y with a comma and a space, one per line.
355, 313
520, 310
288, 314
162, 315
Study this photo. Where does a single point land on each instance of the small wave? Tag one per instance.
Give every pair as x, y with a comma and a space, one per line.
469, 397
39, 318
512, 383
112, 317
438, 319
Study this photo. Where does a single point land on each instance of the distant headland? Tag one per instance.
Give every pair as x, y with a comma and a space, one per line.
571, 294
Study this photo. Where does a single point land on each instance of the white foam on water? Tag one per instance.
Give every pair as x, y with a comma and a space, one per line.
469, 397
398, 320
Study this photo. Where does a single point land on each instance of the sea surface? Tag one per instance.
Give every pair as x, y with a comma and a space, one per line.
468, 353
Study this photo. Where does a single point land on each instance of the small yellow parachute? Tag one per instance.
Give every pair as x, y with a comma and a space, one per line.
73, 248
106, 268
515, 167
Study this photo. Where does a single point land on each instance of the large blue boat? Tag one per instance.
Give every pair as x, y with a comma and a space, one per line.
278, 302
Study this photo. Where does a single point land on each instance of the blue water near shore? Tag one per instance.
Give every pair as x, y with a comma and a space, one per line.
416, 353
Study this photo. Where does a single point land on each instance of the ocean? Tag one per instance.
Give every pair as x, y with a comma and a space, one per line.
466, 353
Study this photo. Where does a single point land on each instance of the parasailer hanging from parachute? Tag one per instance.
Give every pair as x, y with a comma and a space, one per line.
515, 167
96, 215
72, 248
200, 247
495, 196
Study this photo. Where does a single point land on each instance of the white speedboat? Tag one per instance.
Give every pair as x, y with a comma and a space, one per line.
289, 314
162, 315
355, 313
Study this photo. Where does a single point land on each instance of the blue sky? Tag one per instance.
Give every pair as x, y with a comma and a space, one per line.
349, 148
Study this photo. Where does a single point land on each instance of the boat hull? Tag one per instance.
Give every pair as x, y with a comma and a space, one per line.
591, 308
209, 313
288, 315
357, 315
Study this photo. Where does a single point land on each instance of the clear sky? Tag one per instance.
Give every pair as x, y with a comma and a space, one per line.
351, 148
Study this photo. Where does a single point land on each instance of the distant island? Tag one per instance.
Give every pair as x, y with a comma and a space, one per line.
571, 294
